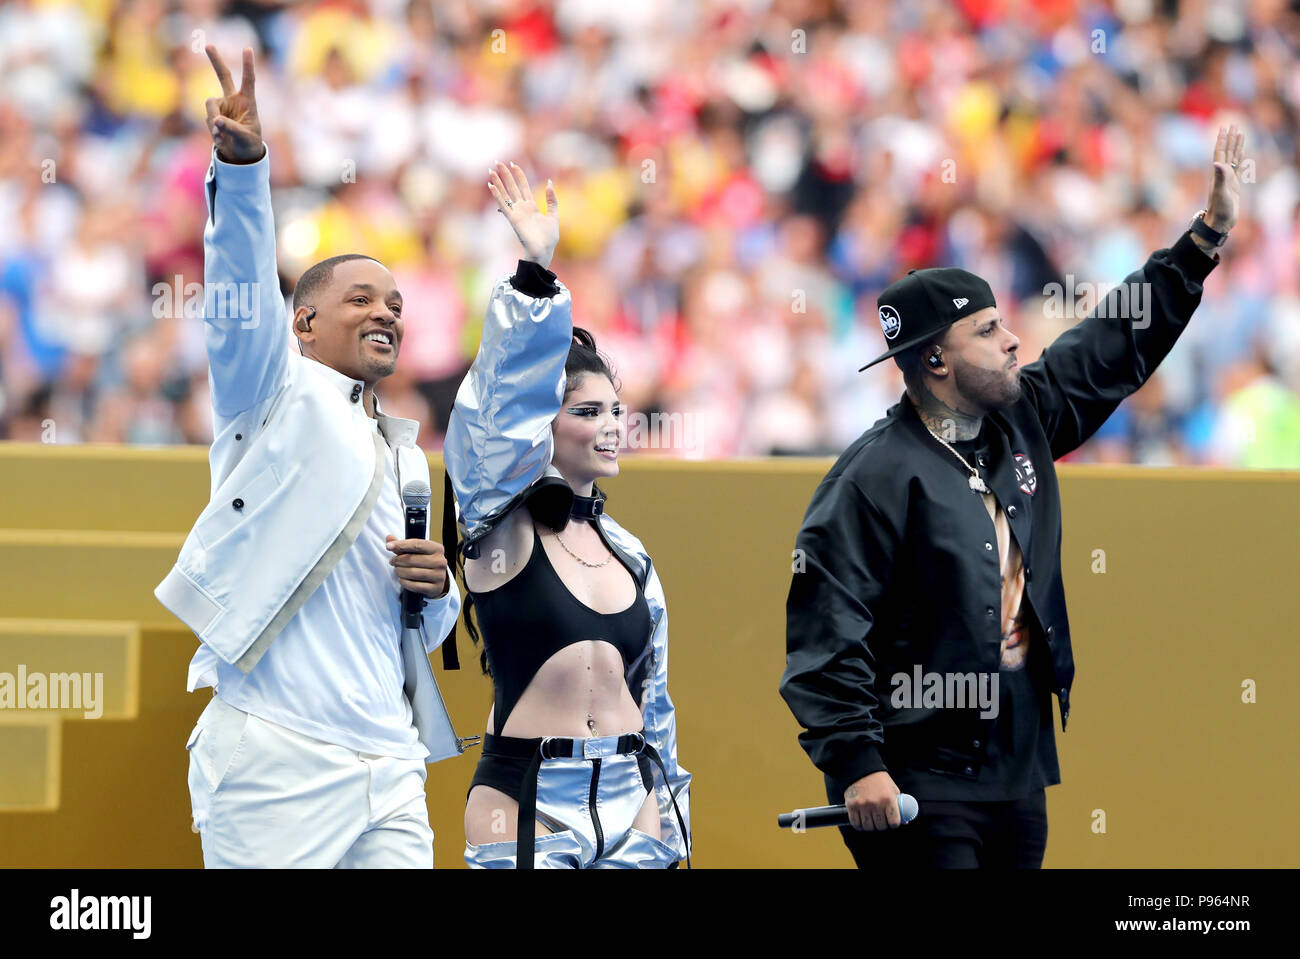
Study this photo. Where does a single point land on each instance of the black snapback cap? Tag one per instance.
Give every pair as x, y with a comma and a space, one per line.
926, 302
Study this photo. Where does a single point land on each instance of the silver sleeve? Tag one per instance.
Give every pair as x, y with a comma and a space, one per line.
661, 723
499, 436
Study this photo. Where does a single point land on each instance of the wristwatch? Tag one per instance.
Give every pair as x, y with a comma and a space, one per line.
1206, 232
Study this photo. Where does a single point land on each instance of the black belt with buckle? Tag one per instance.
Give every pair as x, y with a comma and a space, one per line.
560, 747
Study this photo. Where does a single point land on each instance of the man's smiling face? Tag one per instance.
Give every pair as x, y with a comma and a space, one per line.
357, 328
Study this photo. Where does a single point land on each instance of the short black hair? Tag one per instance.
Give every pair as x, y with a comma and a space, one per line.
319, 276
584, 358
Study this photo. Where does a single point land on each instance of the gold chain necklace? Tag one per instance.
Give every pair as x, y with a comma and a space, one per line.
579, 558
976, 483
591, 721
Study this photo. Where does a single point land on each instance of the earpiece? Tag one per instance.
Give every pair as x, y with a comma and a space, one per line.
935, 359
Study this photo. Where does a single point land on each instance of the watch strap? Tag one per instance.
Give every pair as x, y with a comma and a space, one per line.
1207, 232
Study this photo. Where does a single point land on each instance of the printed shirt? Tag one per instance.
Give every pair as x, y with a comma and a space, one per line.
1022, 752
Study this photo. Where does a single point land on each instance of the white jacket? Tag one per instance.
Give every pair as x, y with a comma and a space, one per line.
294, 476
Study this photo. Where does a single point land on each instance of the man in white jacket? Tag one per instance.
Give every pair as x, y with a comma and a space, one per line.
314, 747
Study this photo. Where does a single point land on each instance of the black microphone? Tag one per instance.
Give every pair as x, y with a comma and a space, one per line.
415, 497
802, 819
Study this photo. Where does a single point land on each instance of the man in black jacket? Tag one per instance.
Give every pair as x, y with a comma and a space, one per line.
926, 621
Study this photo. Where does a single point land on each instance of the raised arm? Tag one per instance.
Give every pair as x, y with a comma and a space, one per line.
499, 435
1090, 368
243, 314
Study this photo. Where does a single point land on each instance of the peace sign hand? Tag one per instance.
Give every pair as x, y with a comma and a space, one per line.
232, 117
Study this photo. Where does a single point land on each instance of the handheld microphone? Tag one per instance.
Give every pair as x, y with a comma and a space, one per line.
415, 498
817, 816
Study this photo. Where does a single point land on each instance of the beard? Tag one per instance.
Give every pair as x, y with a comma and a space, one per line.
379, 368
990, 389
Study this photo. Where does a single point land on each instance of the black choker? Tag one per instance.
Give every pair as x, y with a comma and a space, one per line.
587, 507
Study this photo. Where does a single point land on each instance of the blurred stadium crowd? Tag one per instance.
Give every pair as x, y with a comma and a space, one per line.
737, 178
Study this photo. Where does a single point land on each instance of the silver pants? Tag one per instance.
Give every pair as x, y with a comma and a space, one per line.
586, 834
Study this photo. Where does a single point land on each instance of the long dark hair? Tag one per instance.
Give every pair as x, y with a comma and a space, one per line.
583, 359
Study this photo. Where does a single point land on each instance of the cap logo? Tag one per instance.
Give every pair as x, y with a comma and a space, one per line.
960, 302
890, 323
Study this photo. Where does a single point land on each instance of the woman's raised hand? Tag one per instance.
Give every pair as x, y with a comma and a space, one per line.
539, 232
232, 117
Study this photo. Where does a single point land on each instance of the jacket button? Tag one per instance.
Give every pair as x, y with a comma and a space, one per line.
970, 771
1011, 511
238, 503
976, 744
1029, 574
356, 392
1051, 630
239, 436
988, 546
990, 610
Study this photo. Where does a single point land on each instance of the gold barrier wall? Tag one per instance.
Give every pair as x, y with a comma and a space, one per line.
1164, 764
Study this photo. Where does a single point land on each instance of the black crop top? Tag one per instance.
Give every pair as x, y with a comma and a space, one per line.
527, 620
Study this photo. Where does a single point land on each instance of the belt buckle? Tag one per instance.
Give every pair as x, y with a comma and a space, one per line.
542, 746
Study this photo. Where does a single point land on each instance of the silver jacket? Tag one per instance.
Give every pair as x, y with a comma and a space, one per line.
499, 447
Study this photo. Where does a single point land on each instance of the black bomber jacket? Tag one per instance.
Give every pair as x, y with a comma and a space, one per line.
897, 562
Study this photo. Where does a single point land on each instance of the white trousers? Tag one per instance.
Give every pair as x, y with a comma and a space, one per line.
264, 796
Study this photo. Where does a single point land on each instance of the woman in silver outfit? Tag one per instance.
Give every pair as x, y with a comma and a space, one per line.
579, 766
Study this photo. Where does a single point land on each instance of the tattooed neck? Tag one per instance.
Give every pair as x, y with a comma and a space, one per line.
950, 424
